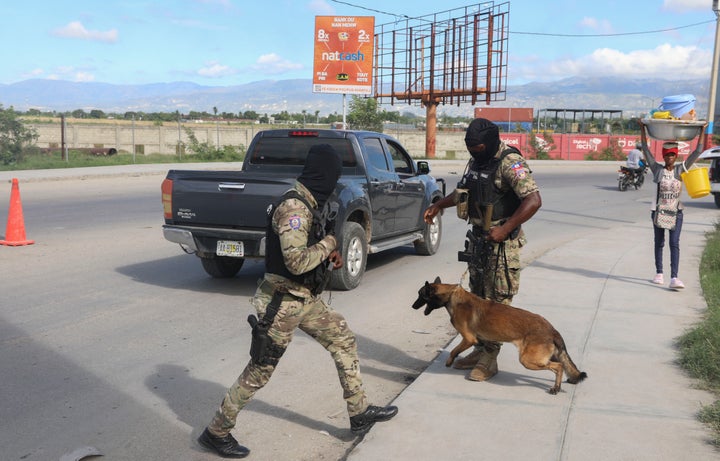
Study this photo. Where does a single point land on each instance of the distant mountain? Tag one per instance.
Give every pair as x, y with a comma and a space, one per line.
272, 96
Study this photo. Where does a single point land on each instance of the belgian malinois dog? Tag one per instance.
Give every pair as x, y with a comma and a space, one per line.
539, 344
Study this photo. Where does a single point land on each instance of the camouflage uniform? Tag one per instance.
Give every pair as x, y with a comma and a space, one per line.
299, 309
513, 173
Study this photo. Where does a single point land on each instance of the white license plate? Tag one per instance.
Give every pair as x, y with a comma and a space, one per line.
230, 248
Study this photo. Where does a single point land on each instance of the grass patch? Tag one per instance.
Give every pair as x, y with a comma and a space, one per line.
700, 347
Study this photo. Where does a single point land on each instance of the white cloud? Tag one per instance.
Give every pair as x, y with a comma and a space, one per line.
273, 64
66, 73
599, 26
665, 61
687, 5
215, 70
75, 29
84, 77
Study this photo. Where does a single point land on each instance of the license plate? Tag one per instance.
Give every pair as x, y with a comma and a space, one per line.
230, 248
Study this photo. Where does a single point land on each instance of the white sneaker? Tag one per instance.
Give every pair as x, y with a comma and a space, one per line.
676, 283
658, 279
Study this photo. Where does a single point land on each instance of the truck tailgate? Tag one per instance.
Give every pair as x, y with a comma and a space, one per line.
209, 198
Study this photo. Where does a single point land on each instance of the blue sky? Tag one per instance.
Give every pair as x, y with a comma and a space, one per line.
231, 42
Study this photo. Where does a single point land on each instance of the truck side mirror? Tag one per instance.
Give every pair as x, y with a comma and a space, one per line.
423, 167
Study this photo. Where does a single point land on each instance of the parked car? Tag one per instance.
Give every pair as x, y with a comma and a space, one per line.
713, 154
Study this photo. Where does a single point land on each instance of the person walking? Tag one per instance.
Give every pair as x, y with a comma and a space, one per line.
496, 194
300, 246
666, 209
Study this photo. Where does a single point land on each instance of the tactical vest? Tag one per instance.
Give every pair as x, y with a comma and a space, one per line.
315, 279
482, 190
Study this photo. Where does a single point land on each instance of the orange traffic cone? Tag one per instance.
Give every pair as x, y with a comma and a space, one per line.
15, 231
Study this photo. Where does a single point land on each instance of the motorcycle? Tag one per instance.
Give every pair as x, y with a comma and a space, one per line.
628, 177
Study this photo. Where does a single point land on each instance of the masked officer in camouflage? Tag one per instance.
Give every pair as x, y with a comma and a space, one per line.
498, 186
297, 257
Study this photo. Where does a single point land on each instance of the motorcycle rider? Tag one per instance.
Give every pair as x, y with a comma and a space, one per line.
634, 158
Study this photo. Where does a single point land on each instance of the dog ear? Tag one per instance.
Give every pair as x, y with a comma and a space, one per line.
437, 280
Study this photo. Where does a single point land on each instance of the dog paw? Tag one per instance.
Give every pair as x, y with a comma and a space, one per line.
553, 390
449, 362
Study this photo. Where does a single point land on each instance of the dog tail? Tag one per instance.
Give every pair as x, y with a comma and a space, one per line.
574, 375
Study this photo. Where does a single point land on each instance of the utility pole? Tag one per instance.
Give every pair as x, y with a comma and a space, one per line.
713, 77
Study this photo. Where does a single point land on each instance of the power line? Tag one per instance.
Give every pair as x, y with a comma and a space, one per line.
656, 31
404, 16
613, 35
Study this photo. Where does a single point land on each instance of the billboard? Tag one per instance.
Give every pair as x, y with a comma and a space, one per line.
343, 58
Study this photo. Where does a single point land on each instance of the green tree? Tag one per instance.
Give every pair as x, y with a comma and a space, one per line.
364, 114
14, 136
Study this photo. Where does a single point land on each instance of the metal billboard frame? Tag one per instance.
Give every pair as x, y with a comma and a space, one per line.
452, 57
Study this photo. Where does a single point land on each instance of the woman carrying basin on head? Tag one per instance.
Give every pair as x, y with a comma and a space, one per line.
666, 208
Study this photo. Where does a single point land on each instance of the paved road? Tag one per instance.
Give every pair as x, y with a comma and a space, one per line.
589, 262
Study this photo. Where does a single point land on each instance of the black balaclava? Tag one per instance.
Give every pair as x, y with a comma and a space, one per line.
321, 172
483, 131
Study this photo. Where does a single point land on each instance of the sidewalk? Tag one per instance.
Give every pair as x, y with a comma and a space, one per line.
619, 328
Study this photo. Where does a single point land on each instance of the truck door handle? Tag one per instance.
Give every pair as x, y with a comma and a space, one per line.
231, 186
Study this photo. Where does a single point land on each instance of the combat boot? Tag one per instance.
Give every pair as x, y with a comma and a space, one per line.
364, 421
227, 446
486, 366
470, 360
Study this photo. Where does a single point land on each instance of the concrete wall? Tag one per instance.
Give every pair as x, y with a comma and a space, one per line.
164, 139
156, 139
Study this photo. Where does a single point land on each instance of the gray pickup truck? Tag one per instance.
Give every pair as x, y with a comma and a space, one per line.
221, 216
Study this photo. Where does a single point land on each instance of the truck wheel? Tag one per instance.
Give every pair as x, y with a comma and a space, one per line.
431, 238
222, 267
354, 253
717, 200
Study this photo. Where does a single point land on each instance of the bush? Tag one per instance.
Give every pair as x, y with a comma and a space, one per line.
14, 137
540, 148
612, 152
205, 152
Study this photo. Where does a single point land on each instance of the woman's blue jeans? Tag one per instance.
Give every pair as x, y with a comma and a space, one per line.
674, 245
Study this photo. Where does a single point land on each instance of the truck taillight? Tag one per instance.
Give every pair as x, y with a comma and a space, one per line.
303, 133
166, 189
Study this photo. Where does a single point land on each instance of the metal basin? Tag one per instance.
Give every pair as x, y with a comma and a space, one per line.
673, 130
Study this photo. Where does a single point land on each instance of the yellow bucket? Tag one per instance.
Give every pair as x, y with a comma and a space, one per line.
697, 182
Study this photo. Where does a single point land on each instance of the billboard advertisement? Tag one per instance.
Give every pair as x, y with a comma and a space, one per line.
343, 58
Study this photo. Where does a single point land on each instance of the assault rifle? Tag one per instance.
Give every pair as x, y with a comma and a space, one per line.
478, 248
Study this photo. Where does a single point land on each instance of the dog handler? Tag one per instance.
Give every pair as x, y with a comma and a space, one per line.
288, 297
496, 194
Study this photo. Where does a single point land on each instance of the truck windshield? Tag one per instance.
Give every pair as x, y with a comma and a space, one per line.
293, 151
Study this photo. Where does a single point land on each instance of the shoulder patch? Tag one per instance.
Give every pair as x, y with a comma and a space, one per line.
295, 222
519, 170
